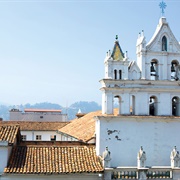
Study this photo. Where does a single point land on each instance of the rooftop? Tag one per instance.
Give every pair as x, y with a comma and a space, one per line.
35, 126
82, 128
9, 133
117, 53
53, 160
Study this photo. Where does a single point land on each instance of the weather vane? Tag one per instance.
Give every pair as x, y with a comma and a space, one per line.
162, 5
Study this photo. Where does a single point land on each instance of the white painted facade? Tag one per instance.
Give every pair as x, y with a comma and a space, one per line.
159, 52
124, 135
149, 82
5, 151
16, 115
147, 95
46, 136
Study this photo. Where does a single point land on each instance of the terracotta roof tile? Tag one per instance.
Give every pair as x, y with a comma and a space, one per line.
53, 160
82, 128
8, 133
42, 110
36, 126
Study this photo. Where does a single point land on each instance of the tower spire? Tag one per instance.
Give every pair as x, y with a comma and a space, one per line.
117, 53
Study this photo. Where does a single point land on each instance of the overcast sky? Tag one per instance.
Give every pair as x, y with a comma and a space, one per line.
53, 51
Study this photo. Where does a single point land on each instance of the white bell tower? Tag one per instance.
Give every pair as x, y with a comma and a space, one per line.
116, 69
148, 86
159, 59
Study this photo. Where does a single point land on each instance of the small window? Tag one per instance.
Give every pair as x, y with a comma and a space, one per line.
41, 116
53, 137
23, 137
175, 106
38, 137
120, 74
115, 74
164, 43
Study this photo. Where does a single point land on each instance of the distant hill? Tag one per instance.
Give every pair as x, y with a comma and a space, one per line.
84, 106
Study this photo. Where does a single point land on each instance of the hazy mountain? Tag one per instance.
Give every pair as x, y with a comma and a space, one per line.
84, 106
4, 112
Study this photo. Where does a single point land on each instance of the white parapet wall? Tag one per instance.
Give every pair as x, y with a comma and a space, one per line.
124, 135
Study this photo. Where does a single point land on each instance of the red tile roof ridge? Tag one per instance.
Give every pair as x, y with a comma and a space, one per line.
41, 110
36, 125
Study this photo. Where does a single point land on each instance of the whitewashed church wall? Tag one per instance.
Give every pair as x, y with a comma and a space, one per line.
165, 104
142, 104
125, 105
107, 103
125, 135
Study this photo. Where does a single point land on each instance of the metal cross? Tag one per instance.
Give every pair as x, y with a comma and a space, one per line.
162, 5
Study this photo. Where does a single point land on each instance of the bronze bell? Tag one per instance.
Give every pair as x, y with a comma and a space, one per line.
172, 68
152, 67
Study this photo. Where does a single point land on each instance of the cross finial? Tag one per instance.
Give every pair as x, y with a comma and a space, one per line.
163, 6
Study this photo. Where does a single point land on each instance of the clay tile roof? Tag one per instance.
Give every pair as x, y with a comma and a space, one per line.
53, 160
36, 126
9, 133
82, 128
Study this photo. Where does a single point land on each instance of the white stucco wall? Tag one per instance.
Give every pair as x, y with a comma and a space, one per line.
124, 135
4, 156
31, 116
176, 174
45, 135
142, 90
